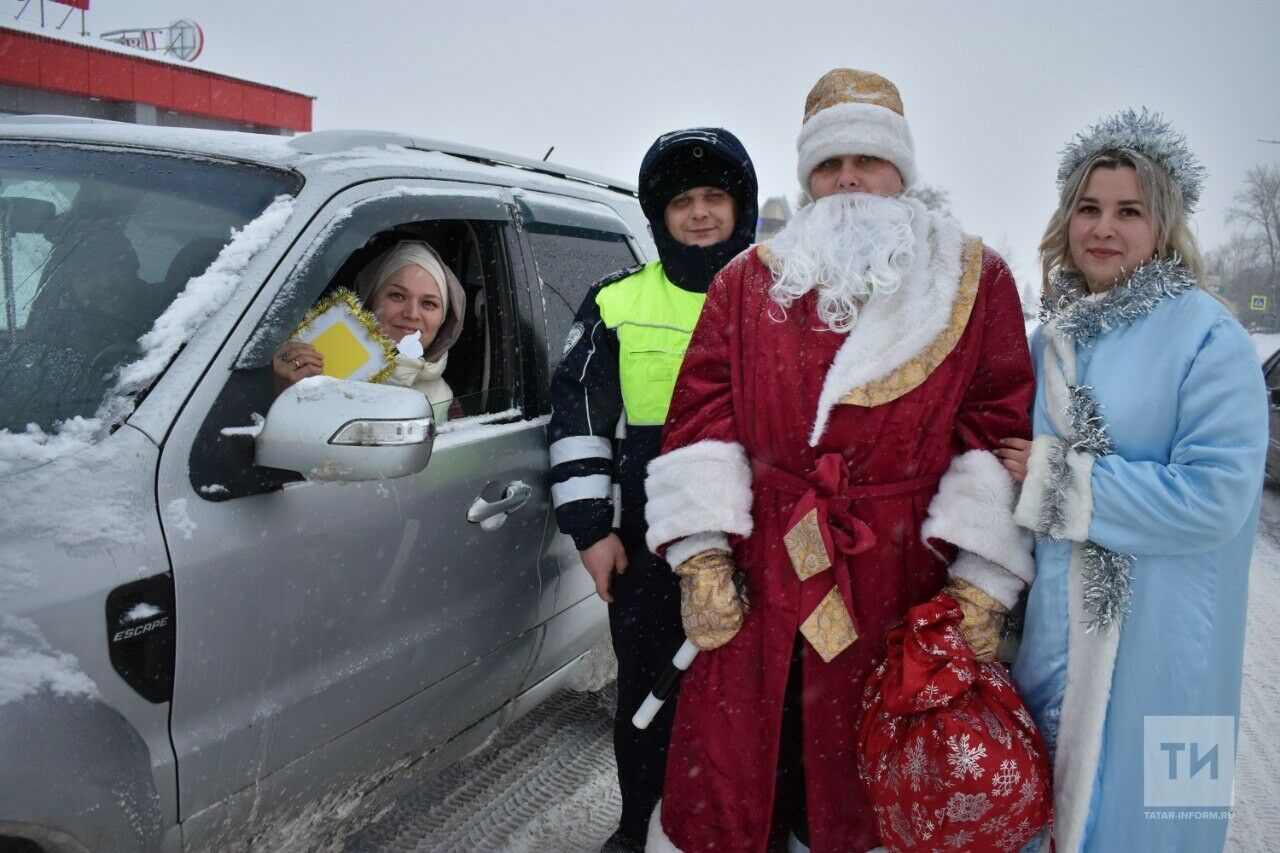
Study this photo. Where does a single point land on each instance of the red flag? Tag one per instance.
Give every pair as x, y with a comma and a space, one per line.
82, 5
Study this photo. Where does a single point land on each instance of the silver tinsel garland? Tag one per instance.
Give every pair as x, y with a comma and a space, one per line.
1147, 133
1107, 575
1108, 585
1083, 318
1085, 414
1059, 484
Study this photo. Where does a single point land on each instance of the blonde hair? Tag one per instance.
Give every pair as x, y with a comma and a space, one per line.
1166, 211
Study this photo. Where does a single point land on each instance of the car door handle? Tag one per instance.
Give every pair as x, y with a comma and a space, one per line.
516, 495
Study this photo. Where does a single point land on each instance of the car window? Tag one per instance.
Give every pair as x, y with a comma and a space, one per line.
479, 365
482, 368
569, 261
95, 244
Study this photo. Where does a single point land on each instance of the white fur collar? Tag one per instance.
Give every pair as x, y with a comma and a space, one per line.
893, 328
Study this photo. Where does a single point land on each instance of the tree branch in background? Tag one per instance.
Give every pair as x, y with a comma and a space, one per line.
1257, 208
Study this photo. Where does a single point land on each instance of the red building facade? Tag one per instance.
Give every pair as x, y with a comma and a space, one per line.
44, 74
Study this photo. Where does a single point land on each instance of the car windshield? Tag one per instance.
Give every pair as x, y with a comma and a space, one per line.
95, 244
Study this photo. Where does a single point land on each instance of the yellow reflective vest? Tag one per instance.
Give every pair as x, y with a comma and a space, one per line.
653, 320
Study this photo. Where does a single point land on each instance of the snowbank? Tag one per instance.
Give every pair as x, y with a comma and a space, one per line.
1266, 344
1255, 820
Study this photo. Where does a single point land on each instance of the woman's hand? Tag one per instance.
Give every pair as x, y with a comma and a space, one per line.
294, 361
1014, 455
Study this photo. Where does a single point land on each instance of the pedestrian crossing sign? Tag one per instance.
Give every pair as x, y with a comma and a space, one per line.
1257, 302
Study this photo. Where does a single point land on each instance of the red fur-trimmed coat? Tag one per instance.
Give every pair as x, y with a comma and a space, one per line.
755, 410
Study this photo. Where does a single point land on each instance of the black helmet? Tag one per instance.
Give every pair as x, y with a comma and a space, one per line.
697, 157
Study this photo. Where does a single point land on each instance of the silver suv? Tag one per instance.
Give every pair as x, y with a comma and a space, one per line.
226, 616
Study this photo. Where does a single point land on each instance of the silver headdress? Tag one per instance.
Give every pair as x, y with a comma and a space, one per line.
1147, 133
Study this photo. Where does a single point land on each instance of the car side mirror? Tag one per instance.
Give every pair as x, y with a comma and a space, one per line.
26, 215
1274, 394
337, 429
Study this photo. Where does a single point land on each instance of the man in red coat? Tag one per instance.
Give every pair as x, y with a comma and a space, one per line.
831, 437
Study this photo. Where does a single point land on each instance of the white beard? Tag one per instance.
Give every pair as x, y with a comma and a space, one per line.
847, 246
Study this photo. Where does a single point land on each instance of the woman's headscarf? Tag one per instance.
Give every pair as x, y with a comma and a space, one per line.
374, 277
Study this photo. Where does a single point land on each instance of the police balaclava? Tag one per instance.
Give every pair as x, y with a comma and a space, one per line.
697, 157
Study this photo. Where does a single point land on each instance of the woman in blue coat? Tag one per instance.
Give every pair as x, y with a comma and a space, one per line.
1143, 484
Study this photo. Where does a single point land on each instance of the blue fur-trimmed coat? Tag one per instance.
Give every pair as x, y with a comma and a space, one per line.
1184, 407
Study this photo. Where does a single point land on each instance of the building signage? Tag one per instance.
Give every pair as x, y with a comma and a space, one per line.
182, 39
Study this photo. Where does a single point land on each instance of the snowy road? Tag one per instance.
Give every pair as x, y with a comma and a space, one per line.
1257, 806
548, 783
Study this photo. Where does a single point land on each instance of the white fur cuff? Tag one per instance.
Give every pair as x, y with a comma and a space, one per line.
999, 583
678, 552
658, 842
856, 129
973, 510
703, 487
1057, 496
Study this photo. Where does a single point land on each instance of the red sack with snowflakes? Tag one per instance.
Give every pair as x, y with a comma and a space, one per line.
948, 751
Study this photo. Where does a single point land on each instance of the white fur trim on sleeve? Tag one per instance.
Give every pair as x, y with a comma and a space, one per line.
703, 487
658, 842
678, 552
1057, 496
973, 510
999, 583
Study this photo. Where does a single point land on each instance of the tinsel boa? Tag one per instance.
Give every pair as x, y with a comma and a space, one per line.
1082, 316
1077, 318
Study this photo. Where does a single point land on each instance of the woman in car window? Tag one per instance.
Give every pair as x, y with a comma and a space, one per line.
411, 291
1143, 484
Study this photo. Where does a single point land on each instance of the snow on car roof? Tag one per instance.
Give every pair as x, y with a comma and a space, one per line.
254, 147
326, 150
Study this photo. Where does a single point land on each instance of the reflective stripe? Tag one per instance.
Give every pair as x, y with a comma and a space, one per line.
599, 486
582, 377
580, 447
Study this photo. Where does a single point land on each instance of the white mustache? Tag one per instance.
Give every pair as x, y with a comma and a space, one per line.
848, 246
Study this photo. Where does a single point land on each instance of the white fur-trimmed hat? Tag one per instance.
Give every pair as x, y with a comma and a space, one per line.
855, 112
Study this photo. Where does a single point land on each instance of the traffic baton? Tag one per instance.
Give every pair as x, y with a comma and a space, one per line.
665, 686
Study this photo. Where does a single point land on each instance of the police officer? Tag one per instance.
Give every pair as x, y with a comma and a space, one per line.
698, 191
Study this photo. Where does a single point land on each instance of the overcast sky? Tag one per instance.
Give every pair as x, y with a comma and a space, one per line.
992, 89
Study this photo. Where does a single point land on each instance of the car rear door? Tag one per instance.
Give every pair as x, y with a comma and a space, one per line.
570, 244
